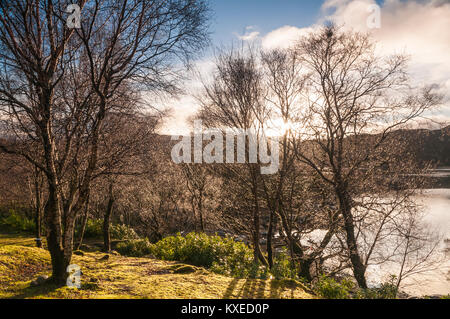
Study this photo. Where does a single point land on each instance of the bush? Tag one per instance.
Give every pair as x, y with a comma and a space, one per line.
18, 222
282, 267
94, 229
135, 248
221, 255
345, 289
329, 288
123, 232
387, 290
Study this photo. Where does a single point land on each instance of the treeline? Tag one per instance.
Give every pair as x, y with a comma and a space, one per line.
65, 91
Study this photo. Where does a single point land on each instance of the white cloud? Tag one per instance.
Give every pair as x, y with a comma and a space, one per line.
182, 108
250, 34
417, 28
180, 111
283, 37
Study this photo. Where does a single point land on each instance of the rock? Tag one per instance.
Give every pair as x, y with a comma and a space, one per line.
39, 281
403, 295
88, 248
42, 279
184, 269
104, 258
89, 286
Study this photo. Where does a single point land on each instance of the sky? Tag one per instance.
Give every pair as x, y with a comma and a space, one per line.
232, 17
419, 28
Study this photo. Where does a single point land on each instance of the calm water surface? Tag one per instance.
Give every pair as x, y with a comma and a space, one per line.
436, 205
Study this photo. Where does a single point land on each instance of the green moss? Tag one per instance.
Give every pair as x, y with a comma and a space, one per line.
184, 269
127, 277
9, 237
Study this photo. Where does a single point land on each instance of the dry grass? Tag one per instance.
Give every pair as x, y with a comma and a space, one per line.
125, 277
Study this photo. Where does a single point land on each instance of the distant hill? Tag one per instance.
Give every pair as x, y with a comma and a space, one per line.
429, 145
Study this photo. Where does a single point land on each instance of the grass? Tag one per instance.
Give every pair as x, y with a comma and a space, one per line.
126, 277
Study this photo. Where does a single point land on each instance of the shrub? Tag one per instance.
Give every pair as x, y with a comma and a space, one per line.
18, 222
123, 232
282, 267
345, 289
331, 289
221, 255
387, 290
94, 229
135, 248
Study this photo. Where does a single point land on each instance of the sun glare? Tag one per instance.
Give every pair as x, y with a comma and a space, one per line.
279, 127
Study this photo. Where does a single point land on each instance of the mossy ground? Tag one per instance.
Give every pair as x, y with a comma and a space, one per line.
125, 277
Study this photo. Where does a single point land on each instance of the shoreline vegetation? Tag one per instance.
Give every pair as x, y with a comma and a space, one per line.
127, 277
24, 269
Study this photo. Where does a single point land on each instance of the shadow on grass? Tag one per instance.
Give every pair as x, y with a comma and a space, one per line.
251, 289
35, 291
230, 289
10, 236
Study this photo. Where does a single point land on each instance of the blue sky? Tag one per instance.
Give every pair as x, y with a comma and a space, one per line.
413, 27
233, 16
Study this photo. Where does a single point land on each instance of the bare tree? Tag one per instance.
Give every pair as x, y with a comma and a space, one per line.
33, 40
284, 83
38, 199
235, 101
352, 92
45, 98
196, 182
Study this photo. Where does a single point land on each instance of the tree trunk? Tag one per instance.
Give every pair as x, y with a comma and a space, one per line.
52, 211
54, 239
295, 250
257, 253
359, 269
38, 226
38, 213
83, 225
200, 212
107, 222
38, 204
270, 231
305, 268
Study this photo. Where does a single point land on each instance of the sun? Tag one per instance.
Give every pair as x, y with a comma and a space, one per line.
279, 127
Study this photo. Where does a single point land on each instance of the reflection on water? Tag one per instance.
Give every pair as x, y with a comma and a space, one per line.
436, 205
